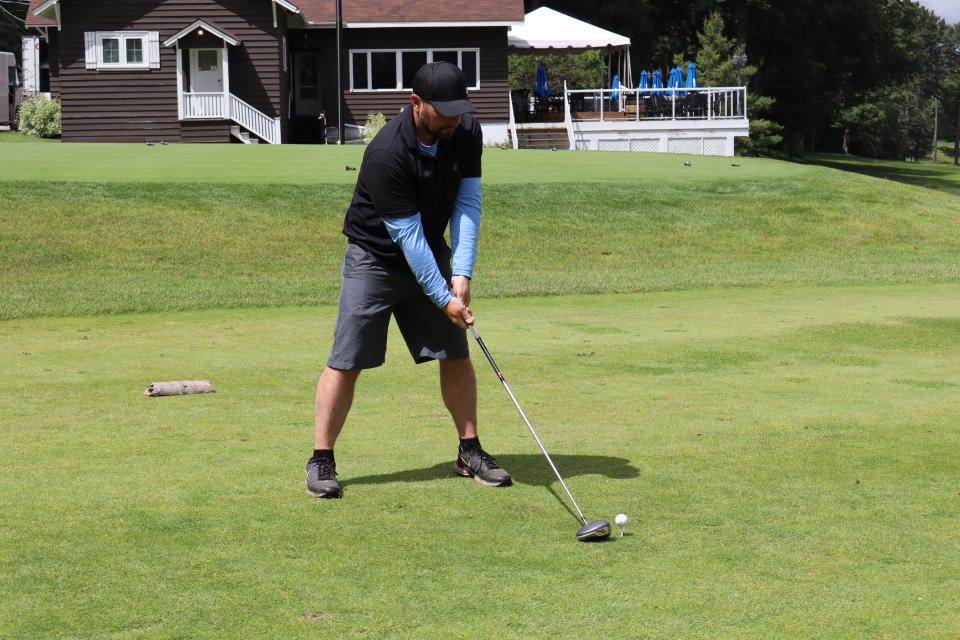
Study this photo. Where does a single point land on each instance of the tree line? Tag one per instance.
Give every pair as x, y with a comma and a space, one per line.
879, 78
12, 14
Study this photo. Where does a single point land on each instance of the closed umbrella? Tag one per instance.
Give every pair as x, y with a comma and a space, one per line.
542, 88
676, 78
657, 79
691, 76
644, 79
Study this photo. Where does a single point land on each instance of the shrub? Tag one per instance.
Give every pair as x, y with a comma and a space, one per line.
375, 122
581, 71
40, 117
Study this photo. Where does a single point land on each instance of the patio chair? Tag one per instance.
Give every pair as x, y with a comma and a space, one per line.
695, 105
520, 98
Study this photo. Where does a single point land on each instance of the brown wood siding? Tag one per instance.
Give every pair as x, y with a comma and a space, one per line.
142, 105
491, 99
284, 96
53, 59
205, 131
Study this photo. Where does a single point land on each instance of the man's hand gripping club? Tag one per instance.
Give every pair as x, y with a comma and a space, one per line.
458, 310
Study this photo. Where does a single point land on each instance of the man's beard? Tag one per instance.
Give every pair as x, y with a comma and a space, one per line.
439, 131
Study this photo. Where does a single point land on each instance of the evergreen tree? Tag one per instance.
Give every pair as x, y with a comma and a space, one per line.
715, 55
715, 68
891, 113
951, 90
12, 14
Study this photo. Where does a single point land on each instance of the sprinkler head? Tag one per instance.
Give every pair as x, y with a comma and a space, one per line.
594, 531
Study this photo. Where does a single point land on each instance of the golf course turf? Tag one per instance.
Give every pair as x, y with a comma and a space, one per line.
760, 365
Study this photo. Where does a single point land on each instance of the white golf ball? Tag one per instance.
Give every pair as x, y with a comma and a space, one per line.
621, 519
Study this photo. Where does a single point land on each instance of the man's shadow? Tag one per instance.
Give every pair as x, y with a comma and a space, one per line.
529, 469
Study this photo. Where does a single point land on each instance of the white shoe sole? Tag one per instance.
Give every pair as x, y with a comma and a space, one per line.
467, 473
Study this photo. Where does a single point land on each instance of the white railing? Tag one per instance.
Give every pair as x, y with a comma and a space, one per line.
226, 106
254, 120
703, 103
201, 106
568, 120
512, 122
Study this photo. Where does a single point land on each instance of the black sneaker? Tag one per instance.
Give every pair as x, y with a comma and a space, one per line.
322, 479
482, 467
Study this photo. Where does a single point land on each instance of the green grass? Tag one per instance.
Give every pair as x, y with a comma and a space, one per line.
82, 248
764, 378
787, 457
943, 176
945, 150
18, 137
312, 164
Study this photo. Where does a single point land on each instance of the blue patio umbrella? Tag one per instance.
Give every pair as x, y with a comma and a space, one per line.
657, 79
542, 88
644, 79
691, 76
676, 78
615, 85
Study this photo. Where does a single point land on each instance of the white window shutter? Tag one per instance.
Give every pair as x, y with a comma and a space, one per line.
154, 39
90, 42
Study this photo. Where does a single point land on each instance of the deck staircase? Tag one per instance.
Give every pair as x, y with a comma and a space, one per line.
243, 136
543, 138
250, 125
252, 121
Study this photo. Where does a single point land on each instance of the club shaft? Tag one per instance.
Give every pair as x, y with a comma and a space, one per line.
496, 369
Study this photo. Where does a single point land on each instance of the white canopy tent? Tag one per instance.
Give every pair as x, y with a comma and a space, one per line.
549, 31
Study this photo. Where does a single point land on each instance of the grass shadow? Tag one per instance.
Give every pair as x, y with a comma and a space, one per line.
940, 177
529, 469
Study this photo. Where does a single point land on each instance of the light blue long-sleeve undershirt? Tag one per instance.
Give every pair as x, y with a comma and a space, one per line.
465, 227
407, 232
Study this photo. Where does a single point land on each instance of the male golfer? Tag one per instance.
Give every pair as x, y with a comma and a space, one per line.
421, 172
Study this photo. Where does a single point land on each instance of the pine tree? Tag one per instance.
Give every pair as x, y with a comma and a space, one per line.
12, 16
715, 57
715, 69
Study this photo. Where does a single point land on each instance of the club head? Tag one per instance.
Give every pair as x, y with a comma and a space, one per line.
594, 531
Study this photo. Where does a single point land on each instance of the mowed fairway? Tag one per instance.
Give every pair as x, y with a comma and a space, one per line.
762, 370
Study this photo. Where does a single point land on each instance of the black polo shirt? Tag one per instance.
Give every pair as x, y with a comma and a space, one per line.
397, 179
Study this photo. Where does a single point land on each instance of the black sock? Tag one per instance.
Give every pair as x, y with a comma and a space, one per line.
469, 443
323, 454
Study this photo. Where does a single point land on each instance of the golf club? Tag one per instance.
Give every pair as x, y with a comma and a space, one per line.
590, 531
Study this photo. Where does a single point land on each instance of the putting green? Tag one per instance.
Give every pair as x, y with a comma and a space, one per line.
311, 164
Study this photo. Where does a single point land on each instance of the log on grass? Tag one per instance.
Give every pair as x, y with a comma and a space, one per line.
179, 388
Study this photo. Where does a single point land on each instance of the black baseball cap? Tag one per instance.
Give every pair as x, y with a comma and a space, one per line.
443, 85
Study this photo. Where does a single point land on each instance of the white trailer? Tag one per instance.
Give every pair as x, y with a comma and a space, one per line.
30, 65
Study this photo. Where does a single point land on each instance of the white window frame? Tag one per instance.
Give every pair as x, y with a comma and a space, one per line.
398, 54
123, 37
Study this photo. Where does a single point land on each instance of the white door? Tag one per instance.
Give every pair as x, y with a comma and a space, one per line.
206, 70
306, 83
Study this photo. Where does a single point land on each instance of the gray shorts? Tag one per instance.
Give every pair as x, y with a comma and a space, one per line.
373, 290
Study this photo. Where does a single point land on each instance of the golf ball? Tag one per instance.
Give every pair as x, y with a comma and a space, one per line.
621, 519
